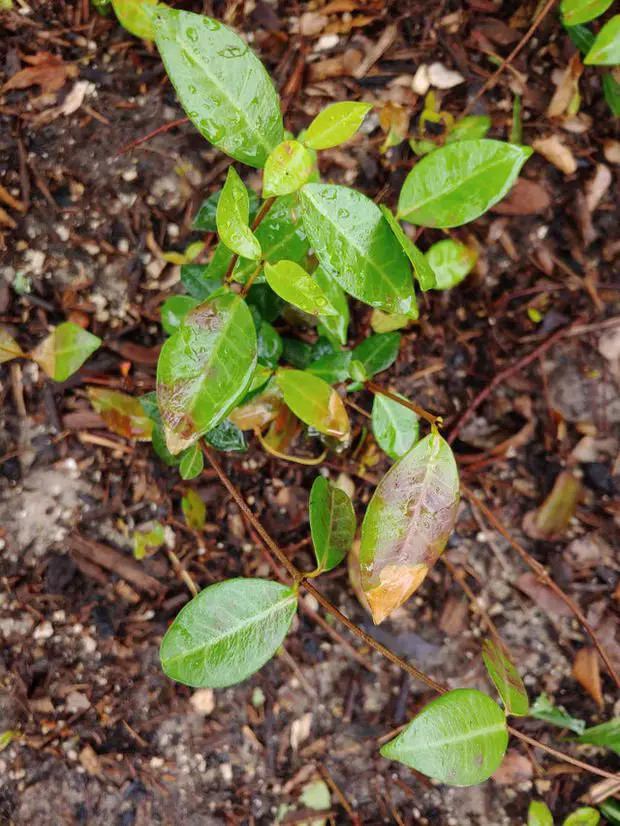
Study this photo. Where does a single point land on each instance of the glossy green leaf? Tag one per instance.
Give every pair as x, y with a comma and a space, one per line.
65, 350
611, 810
606, 48
459, 182
378, 352
263, 298
335, 327
332, 524
259, 410
506, 678
281, 235
296, 353
232, 218
388, 322
323, 347
358, 373
292, 283
227, 632
395, 427
355, 245
543, 709
287, 169
9, 348
205, 368
148, 539
204, 220
606, 734
575, 12
6, 737
135, 17
421, 269
122, 414
192, 463
174, 310
581, 37
226, 437
332, 368
585, 816
336, 124
314, 402
407, 524
611, 91
269, 345
222, 85
194, 509
538, 814
469, 128
197, 281
460, 739
451, 262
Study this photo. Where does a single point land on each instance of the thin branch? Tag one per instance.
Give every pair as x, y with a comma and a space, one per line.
158, 131
543, 576
298, 576
419, 411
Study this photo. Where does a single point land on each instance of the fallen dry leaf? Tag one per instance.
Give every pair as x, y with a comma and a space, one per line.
515, 768
421, 82
525, 198
611, 151
568, 87
553, 517
597, 186
543, 597
586, 670
90, 761
556, 153
312, 23
443, 78
609, 344
47, 70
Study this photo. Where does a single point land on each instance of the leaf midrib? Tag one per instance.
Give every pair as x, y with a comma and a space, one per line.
253, 620
450, 741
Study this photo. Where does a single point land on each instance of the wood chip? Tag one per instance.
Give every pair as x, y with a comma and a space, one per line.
597, 186
586, 670
556, 153
568, 87
379, 49
113, 560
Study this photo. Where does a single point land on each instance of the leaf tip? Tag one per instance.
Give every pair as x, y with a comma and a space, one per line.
397, 584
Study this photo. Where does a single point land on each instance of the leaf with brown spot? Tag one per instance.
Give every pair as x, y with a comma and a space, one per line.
9, 348
123, 414
506, 678
407, 524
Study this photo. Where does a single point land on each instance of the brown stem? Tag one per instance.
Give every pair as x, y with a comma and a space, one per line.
257, 221
298, 577
158, 131
419, 411
542, 575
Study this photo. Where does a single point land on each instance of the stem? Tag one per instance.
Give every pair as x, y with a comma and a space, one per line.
419, 411
158, 131
299, 577
299, 460
251, 279
262, 212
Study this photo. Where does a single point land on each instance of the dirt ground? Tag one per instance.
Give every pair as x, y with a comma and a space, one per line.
101, 735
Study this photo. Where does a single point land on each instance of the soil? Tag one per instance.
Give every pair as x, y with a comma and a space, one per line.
101, 736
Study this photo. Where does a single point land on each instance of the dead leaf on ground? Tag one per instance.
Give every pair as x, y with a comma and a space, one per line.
90, 761
553, 517
611, 151
597, 186
568, 88
453, 619
586, 670
543, 597
589, 551
47, 70
515, 768
525, 198
556, 153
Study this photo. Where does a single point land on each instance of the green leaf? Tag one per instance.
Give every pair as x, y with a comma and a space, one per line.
135, 17
407, 524
314, 402
222, 85
335, 327
336, 124
388, 322
269, 345
585, 816
332, 524
232, 218
575, 12
538, 814
355, 245
205, 368
606, 48
451, 262
506, 678
287, 169
611, 91
174, 310
198, 282
65, 350
148, 539
263, 298
332, 368
194, 509
421, 269
226, 437
469, 128
192, 463
122, 414
460, 739
459, 182
6, 738
581, 37
292, 283
227, 632
543, 709
358, 373
606, 734
297, 353
378, 352
9, 348
611, 809
395, 427
281, 235
204, 220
